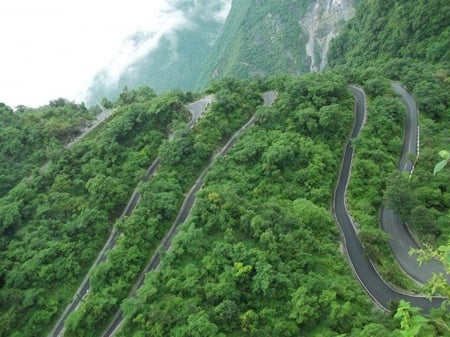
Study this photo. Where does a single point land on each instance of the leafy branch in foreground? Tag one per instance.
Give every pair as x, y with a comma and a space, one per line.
445, 155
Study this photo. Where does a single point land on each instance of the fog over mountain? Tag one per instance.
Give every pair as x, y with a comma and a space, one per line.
53, 49
171, 57
257, 39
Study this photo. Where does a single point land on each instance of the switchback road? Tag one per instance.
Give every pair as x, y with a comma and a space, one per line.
100, 118
196, 109
401, 240
188, 203
381, 292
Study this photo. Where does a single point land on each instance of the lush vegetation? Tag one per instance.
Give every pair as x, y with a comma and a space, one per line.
182, 158
402, 41
29, 137
404, 29
259, 254
274, 42
54, 222
422, 66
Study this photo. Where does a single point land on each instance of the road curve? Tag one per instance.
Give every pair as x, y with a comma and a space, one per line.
188, 203
401, 240
381, 292
196, 109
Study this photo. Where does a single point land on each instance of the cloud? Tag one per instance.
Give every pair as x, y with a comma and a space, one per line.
222, 14
52, 48
179, 14
143, 41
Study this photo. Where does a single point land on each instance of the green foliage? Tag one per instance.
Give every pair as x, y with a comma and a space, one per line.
399, 194
440, 165
182, 157
54, 222
401, 41
29, 137
394, 29
259, 255
411, 323
259, 39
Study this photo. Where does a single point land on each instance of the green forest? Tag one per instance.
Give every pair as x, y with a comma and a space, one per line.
260, 253
29, 137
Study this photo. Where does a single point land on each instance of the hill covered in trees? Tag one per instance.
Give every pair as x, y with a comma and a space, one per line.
30, 137
260, 254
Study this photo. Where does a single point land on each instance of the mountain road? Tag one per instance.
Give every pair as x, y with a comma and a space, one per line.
381, 292
196, 109
401, 240
188, 203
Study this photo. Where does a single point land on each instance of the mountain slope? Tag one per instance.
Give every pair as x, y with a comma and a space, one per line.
405, 41
395, 29
258, 39
270, 37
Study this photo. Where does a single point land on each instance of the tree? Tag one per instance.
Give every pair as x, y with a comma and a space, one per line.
199, 325
399, 194
249, 321
304, 306
411, 322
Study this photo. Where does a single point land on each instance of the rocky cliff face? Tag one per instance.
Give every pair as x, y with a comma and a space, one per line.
321, 23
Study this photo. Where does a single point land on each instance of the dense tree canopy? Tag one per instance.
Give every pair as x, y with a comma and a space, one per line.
54, 222
29, 137
260, 254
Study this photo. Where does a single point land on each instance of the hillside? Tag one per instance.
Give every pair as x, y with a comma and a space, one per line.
248, 260
399, 41
266, 38
383, 30
260, 253
29, 137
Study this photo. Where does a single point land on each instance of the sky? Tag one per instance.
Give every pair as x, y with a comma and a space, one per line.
53, 48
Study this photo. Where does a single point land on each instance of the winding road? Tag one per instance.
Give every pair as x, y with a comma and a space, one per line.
381, 292
401, 240
188, 203
196, 109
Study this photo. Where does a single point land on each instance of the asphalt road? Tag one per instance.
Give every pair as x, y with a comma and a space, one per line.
382, 293
196, 109
401, 240
188, 203
100, 118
